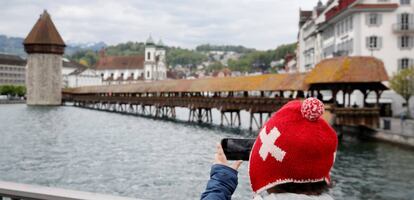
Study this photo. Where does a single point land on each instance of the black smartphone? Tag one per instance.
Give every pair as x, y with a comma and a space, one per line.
237, 149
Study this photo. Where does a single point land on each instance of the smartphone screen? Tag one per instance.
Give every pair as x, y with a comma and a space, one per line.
237, 149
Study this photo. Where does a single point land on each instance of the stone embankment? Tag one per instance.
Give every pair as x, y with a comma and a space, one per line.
397, 132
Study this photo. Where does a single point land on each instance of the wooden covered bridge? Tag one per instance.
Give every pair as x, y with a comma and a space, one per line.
259, 95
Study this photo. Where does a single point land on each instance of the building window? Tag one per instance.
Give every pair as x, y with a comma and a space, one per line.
404, 21
373, 19
148, 74
405, 63
345, 48
149, 55
344, 26
405, 42
405, 2
374, 42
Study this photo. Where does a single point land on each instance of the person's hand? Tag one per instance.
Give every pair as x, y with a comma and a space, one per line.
220, 158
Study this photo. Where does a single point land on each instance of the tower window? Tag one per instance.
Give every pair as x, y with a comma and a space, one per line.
148, 74
149, 55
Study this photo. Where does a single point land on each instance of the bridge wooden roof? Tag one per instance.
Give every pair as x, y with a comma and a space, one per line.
357, 69
267, 82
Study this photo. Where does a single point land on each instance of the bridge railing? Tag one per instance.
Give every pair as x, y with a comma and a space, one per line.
368, 117
254, 104
343, 116
17, 191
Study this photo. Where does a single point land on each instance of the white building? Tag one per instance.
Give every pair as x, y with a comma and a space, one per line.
12, 70
380, 28
77, 75
129, 69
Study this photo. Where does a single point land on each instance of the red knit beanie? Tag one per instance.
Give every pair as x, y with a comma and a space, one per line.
294, 146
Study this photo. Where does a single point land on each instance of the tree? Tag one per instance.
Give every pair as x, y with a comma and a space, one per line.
216, 66
8, 90
238, 49
184, 57
84, 62
20, 90
403, 84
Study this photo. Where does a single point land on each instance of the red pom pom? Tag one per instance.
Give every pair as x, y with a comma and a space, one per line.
312, 109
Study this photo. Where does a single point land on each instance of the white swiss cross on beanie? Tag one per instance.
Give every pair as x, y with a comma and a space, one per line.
268, 145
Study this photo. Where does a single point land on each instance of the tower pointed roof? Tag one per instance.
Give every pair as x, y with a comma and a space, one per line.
44, 32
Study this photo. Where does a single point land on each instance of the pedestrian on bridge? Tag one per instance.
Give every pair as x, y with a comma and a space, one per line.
291, 159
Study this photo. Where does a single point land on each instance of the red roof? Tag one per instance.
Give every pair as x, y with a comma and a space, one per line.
120, 62
345, 4
304, 15
342, 5
376, 6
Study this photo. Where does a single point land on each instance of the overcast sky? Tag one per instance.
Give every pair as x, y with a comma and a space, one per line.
261, 24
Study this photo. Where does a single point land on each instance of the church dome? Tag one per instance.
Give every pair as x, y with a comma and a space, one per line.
160, 44
150, 41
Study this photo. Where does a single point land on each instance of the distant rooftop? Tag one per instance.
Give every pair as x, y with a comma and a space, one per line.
7, 59
120, 62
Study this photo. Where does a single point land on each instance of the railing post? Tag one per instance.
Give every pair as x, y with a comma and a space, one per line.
251, 121
238, 115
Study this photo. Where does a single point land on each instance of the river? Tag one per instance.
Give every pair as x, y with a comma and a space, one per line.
110, 153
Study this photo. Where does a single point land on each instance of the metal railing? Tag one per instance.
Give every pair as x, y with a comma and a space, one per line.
403, 27
17, 191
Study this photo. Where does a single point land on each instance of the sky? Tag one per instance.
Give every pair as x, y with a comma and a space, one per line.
260, 24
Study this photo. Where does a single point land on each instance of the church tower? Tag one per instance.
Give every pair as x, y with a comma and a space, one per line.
45, 48
161, 61
150, 56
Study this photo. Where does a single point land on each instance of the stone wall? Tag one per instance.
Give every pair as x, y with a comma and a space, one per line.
44, 79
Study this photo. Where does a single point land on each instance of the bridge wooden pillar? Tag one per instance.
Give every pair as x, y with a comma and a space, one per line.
258, 122
200, 115
230, 118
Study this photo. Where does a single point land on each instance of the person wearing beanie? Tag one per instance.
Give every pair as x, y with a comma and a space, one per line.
291, 158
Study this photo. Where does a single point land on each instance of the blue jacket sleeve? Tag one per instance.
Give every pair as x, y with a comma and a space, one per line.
222, 183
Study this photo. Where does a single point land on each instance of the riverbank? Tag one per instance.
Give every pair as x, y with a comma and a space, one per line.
12, 101
396, 132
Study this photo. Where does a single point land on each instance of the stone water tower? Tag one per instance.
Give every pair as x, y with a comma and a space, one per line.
45, 48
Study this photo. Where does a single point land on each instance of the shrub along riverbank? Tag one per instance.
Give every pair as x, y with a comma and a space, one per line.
13, 91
